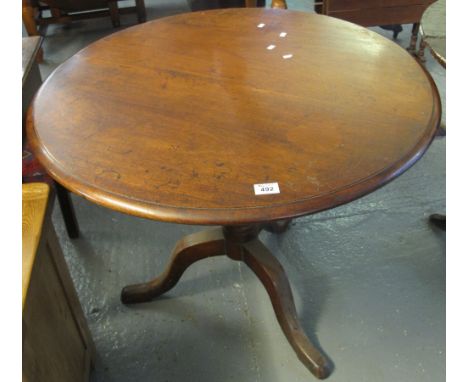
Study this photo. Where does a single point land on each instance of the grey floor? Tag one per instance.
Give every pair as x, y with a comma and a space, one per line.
368, 278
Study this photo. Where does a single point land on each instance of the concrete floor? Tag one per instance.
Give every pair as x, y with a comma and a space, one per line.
368, 278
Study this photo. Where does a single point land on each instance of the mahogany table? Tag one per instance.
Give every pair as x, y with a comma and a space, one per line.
239, 118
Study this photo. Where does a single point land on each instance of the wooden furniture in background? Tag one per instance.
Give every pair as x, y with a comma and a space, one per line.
182, 126
378, 12
198, 5
433, 36
433, 32
66, 11
31, 76
32, 171
57, 345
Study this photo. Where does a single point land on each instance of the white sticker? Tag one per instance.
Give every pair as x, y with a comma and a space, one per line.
266, 188
271, 47
286, 56
283, 34
261, 25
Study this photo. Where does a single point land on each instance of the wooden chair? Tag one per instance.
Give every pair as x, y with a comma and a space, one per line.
57, 344
32, 171
66, 11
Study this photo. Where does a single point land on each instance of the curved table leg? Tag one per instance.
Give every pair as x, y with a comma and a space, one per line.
272, 275
188, 250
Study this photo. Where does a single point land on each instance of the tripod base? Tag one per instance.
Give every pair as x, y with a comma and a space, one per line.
239, 243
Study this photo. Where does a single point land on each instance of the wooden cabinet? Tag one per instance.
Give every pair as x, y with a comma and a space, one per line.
377, 12
66, 11
57, 344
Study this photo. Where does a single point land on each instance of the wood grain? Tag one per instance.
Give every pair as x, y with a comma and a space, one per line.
53, 350
57, 344
178, 118
34, 205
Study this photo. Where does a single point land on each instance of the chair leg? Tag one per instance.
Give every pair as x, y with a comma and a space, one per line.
68, 212
141, 10
30, 25
28, 19
114, 13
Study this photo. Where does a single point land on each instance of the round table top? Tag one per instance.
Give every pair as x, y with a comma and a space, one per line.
433, 29
177, 119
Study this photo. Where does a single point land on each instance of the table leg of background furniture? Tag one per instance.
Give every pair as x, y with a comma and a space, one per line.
422, 48
414, 38
141, 10
55, 12
68, 211
239, 243
114, 13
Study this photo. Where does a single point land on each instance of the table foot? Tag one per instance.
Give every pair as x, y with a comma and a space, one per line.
438, 220
239, 243
188, 250
270, 272
441, 131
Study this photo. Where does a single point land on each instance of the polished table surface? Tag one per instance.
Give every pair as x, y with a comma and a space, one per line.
178, 118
